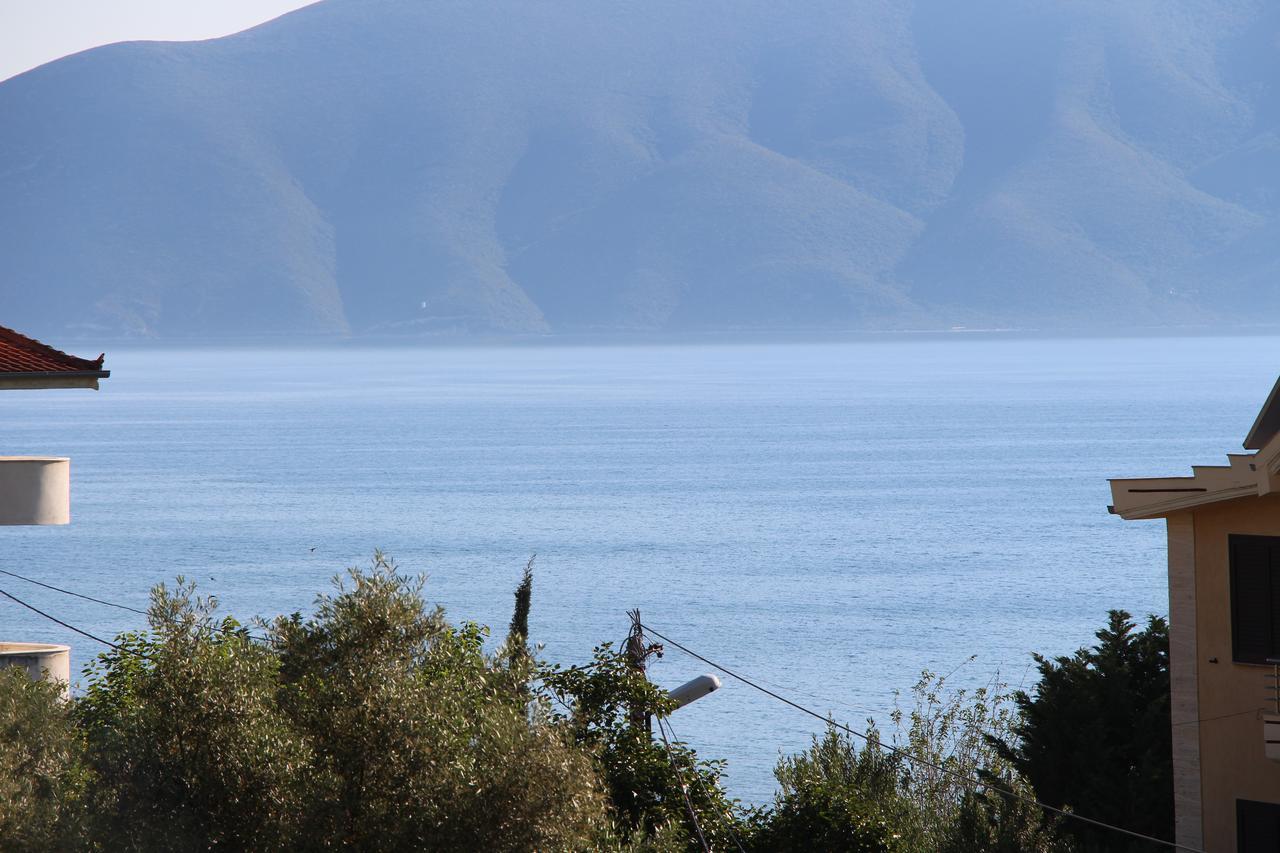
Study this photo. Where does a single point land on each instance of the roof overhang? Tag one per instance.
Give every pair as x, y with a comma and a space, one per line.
1159, 503
1156, 497
1267, 424
52, 379
1248, 475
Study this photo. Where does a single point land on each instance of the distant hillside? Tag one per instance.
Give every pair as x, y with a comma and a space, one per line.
456, 166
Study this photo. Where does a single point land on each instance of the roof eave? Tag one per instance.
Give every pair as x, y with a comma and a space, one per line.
1266, 424
1168, 506
52, 379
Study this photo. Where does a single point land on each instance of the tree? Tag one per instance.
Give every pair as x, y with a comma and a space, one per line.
376, 724
936, 787
421, 740
647, 780
518, 632
185, 736
991, 821
42, 776
1094, 736
372, 724
835, 797
944, 741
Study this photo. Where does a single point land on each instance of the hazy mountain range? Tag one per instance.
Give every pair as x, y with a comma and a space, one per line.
440, 166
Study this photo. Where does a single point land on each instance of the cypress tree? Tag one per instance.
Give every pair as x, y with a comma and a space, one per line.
518, 633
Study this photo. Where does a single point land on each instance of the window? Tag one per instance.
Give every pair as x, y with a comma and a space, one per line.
1255, 598
1257, 827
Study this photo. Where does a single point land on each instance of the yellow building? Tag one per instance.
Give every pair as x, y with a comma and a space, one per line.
1223, 527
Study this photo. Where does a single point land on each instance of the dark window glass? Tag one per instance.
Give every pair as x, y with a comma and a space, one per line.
1255, 598
1257, 827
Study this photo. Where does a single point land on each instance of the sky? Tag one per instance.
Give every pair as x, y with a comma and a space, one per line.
33, 32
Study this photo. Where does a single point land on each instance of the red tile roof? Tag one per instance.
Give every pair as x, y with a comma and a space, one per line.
20, 354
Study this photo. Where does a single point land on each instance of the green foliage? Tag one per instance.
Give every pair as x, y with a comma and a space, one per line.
944, 739
991, 821
42, 778
834, 797
421, 740
1095, 735
646, 783
371, 725
915, 794
374, 724
518, 633
186, 738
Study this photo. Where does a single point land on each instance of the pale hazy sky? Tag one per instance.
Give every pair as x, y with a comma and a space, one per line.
33, 32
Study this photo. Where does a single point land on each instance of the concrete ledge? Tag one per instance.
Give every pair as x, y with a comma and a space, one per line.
35, 490
42, 661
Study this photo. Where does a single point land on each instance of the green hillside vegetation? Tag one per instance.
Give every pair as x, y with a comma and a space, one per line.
374, 724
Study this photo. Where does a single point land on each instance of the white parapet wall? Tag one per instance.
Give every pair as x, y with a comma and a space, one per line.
41, 661
35, 490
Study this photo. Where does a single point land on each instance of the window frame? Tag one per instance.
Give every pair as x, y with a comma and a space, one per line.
1246, 812
1235, 540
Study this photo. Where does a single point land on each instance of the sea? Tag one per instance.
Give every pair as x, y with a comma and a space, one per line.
827, 519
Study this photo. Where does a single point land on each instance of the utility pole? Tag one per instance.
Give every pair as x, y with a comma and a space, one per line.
637, 653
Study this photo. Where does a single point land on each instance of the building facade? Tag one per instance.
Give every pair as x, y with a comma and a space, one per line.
1223, 526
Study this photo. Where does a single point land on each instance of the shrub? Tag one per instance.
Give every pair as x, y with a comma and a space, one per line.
836, 797
186, 738
990, 821
944, 740
647, 782
42, 776
932, 789
372, 725
421, 740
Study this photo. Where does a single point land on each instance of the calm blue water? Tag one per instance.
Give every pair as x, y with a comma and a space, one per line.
828, 518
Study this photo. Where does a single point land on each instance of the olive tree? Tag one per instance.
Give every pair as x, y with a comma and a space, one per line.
419, 739
371, 724
42, 775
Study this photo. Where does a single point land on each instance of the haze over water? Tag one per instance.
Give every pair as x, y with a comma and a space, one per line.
828, 518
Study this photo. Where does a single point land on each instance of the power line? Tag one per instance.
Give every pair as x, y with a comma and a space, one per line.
148, 614
918, 760
993, 684
1218, 717
67, 625
70, 592
697, 778
684, 790
828, 701
686, 650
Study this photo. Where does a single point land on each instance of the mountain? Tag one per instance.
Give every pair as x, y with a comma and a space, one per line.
437, 166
